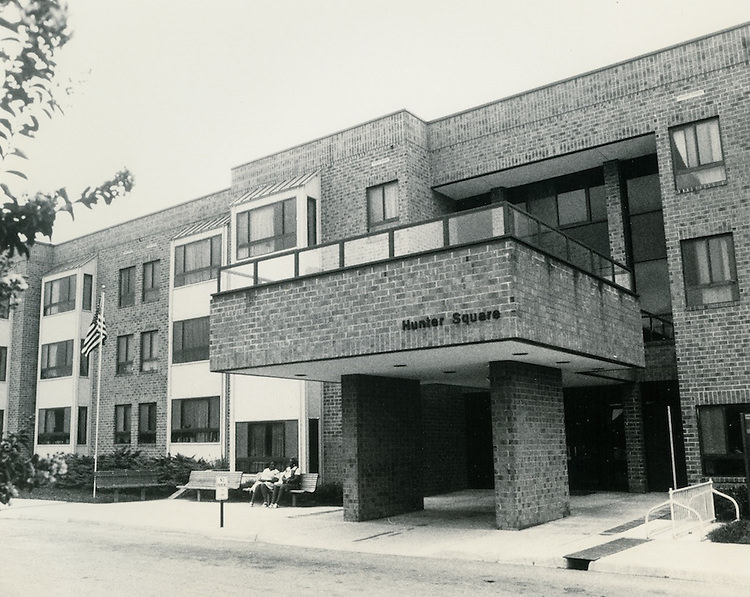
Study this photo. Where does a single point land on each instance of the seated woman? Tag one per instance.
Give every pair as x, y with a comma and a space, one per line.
289, 479
268, 475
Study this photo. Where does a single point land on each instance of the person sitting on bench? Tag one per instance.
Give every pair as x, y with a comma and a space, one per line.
268, 475
289, 479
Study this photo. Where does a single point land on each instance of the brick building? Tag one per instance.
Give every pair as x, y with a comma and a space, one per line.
541, 294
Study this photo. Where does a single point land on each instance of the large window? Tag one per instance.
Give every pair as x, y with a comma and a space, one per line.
150, 351
147, 423
3, 363
125, 351
54, 426
127, 287
267, 229
710, 272
83, 425
721, 439
196, 420
197, 261
88, 291
262, 441
697, 155
151, 281
122, 423
382, 204
60, 295
190, 340
57, 359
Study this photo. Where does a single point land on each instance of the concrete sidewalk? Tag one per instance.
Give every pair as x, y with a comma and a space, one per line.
458, 525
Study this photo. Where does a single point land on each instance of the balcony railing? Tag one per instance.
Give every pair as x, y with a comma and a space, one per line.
656, 328
462, 228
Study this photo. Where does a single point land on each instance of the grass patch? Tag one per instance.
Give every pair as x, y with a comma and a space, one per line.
737, 531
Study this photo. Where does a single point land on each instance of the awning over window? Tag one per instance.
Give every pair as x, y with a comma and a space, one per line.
198, 227
276, 187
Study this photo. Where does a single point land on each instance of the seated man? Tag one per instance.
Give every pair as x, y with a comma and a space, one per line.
289, 479
267, 475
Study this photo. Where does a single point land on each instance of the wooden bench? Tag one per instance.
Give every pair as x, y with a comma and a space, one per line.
206, 480
308, 485
127, 479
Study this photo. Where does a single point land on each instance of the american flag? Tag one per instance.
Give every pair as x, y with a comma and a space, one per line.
97, 333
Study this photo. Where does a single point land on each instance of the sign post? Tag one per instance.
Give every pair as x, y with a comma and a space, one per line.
222, 494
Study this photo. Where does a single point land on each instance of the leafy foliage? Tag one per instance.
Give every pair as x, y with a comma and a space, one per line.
737, 531
19, 469
31, 32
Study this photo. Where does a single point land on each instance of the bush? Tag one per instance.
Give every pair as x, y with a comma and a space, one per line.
20, 469
329, 494
737, 531
725, 509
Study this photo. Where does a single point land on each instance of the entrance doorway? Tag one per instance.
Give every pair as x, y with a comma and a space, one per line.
657, 396
595, 435
480, 464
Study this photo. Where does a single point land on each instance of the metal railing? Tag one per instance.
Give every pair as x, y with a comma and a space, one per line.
656, 328
463, 228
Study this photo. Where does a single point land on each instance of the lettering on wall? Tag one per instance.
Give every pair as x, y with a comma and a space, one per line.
456, 318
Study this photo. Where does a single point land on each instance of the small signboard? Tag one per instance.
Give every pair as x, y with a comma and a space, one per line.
222, 488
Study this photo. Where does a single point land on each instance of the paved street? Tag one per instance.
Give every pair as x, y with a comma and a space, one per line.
61, 558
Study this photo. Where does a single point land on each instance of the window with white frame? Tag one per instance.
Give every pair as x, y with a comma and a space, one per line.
3, 363
382, 204
54, 426
196, 420
147, 423
60, 295
267, 229
151, 281
190, 340
709, 270
697, 155
57, 359
197, 261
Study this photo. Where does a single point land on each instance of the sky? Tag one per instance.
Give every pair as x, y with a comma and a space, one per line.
182, 91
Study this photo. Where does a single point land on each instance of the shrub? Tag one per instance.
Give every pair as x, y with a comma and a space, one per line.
724, 509
20, 469
329, 494
737, 531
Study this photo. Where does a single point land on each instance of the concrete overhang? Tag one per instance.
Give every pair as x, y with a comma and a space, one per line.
465, 365
549, 168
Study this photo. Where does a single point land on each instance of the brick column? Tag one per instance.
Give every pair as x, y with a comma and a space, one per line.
382, 430
528, 429
616, 213
635, 446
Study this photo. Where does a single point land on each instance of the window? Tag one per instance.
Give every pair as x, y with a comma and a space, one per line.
54, 426
709, 268
150, 351
3, 363
122, 423
147, 423
83, 368
267, 229
697, 156
60, 295
127, 287
88, 291
125, 347
83, 423
197, 262
4, 309
150, 281
721, 439
190, 340
2, 422
57, 359
195, 420
382, 204
312, 222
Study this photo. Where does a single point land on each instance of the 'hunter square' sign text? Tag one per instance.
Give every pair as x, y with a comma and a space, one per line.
456, 318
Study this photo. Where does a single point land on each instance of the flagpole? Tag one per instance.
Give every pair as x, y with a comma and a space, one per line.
98, 393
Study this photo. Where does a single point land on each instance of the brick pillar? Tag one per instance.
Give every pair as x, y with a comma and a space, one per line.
616, 212
382, 429
528, 430
635, 446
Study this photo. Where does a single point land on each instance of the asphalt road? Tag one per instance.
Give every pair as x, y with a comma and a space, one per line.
84, 559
